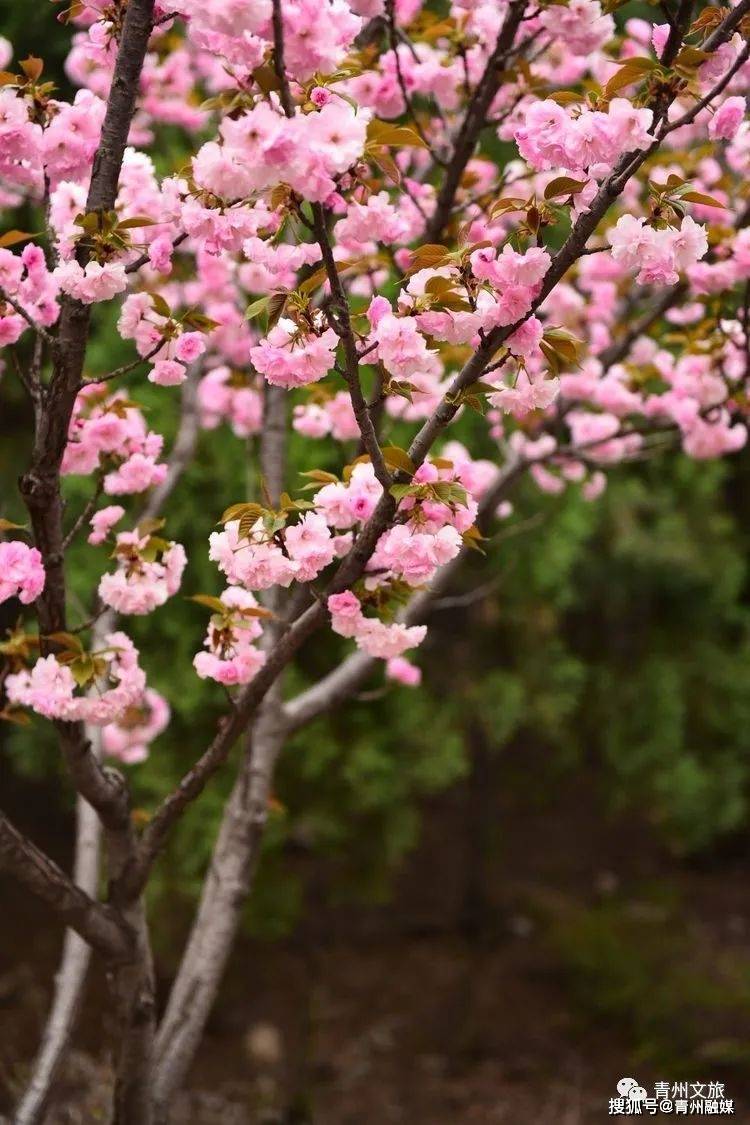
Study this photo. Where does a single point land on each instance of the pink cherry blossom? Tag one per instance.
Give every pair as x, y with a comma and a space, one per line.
142, 582
50, 688
93, 283
103, 521
129, 738
21, 572
231, 657
402, 671
727, 119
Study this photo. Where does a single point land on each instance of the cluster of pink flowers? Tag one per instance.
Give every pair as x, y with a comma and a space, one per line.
288, 358
49, 688
107, 432
316, 37
659, 255
227, 396
231, 656
189, 253
27, 280
580, 25
21, 572
427, 536
102, 523
554, 137
61, 149
147, 573
254, 561
258, 561
401, 348
149, 328
263, 146
128, 739
20, 141
371, 634
93, 282
332, 415
345, 503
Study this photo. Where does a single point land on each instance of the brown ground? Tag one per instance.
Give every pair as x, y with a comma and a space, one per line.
496, 998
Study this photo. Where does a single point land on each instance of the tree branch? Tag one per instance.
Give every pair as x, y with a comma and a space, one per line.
348, 676
39, 329
278, 60
616, 352
343, 326
232, 868
99, 925
390, 12
474, 121
183, 449
70, 979
40, 485
71, 976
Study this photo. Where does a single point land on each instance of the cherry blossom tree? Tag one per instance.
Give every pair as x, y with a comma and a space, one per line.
391, 215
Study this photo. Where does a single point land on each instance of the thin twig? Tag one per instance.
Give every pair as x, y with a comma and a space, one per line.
38, 328
144, 257
408, 104
86, 513
126, 367
285, 93
343, 328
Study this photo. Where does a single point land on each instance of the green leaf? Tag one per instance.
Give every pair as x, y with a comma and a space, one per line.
690, 58
397, 458
313, 281
160, 306
276, 305
194, 319
387, 165
472, 537
88, 221
399, 491
210, 602
149, 526
700, 197
384, 133
253, 611
65, 640
237, 511
136, 221
630, 72
429, 256
32, 68
321, 476
673, 181
83, 669
450, 492
12, 237
506, 207
256, 308
563, 186
267, 78
316, 279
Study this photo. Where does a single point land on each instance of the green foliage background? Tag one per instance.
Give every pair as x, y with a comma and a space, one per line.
616, 639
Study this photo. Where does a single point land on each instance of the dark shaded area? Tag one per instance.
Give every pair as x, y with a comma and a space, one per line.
517, 989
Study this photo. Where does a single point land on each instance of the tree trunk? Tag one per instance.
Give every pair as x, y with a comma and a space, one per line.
225, 889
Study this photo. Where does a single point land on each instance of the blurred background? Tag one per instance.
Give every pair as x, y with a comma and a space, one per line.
483, 901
